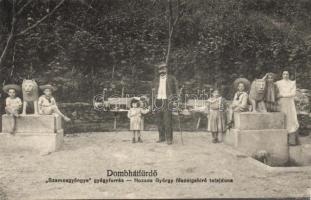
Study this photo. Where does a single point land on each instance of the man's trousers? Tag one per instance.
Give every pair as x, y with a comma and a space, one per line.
164, 120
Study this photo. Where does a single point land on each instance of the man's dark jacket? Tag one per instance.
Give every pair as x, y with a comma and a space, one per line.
171, 86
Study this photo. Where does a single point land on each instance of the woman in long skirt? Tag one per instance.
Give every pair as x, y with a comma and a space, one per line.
287, 92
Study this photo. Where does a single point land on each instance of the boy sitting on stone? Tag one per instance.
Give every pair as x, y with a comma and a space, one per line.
47, 104
13, 103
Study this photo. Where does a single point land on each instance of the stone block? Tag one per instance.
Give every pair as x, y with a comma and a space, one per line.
41, 142
273, 141
300, 154
42, 133
229, 138
33, 124
259, 121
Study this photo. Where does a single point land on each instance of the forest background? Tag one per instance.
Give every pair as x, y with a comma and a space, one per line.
84, 46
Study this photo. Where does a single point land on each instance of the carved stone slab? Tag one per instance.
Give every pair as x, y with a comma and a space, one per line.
33, 124
259, 121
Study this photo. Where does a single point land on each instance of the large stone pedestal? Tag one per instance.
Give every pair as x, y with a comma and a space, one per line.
254, 132
259, 121
300, 154
42, 133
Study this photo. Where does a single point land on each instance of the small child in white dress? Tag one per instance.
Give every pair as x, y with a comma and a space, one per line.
13, 103
136, 119
47, 104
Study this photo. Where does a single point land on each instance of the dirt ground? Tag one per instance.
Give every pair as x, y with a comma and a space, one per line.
23, 174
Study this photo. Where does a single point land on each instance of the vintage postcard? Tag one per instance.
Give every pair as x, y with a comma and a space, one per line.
155, 99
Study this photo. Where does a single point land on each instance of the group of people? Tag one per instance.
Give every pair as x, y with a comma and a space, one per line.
164, 87
278, 97
46, 103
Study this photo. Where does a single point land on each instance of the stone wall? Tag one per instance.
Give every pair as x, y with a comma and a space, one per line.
260, 132
34, 132
86, 119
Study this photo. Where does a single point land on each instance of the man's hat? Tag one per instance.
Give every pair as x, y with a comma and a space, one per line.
15, 87
43, 87
161, 65
242, 80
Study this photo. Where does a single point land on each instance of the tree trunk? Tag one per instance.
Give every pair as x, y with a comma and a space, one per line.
170, 31
13, 25
5, 50
171, 24
8, 43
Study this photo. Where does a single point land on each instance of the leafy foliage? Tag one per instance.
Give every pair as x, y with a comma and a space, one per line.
114, 43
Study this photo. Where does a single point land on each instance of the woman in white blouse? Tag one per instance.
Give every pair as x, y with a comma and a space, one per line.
287, 92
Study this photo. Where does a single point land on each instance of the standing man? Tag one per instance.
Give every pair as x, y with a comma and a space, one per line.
165, 90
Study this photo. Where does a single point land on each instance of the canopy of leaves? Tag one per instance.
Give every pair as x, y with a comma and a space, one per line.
87, 45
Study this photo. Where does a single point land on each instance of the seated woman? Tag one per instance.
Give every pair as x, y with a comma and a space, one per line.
47, 104
240, 99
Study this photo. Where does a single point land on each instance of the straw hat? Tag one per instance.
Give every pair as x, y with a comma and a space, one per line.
43, 87
6, 88
161, 65
242, 80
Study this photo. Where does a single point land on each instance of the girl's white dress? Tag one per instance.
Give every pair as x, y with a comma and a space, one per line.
287, 91
217, 116
136, 118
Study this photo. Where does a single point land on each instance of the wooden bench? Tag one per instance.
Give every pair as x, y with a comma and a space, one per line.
198, 106
118, 105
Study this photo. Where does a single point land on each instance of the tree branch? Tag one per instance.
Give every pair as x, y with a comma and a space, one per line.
18, 3
41, 20
23, 7
172, 24
13, 61
10, 37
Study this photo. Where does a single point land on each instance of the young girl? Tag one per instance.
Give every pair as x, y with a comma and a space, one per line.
217, 116
13, 104
47, 104
136, 120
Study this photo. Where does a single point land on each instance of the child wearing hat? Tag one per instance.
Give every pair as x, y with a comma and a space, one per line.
13, 103
136, 119
216, 116
47, 104
240, 99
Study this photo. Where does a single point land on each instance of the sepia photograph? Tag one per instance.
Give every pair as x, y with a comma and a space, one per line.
155, 99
